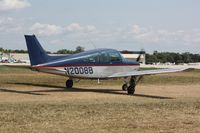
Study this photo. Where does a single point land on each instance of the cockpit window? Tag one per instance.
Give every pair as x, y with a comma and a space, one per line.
110, 56
115, 56
105, 57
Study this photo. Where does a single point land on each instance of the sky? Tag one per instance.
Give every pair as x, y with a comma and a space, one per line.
162, 25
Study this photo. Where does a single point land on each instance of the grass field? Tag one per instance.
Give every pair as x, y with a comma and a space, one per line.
37, 102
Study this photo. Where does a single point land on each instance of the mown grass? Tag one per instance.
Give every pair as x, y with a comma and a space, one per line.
15, 69
94, 112
24, 74
93, 117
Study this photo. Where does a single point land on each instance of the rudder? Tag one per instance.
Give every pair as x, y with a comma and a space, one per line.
37, 54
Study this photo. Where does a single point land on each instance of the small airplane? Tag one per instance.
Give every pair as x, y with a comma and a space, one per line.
92, 64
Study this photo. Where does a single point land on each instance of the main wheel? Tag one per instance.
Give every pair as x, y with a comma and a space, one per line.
131, 90
69, 83
124, 87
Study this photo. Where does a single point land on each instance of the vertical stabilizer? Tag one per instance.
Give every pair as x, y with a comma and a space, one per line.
37, 54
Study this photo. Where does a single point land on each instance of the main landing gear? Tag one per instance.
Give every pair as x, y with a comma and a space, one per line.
69, 83
129, 86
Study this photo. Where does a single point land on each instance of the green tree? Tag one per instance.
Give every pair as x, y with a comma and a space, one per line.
186, 57
150, 59
64, 51
79, 49
1, 49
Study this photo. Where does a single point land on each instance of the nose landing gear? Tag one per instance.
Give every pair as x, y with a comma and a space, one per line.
69, 83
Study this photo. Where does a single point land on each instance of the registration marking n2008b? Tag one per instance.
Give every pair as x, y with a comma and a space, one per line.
78, 70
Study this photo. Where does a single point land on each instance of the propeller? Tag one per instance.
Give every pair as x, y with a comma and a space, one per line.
139, 57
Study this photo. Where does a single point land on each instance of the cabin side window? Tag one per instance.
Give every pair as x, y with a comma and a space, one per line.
94, 58
104, 57
115, 57
110, 57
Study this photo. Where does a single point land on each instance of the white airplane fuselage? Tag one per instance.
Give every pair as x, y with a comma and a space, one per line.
92, 64
95, 72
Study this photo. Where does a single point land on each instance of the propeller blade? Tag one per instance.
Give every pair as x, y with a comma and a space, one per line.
138, 58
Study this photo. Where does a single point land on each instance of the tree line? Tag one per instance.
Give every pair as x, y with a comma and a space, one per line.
66, 51
170, 57
12, 51
61, 51
156, 57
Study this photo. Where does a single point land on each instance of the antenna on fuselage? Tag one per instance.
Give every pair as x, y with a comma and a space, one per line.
93, 44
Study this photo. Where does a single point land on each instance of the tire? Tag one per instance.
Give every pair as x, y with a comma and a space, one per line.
124, 87
69, 83
131, 90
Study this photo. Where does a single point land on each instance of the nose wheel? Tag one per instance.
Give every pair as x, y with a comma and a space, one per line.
69, 83
124, 87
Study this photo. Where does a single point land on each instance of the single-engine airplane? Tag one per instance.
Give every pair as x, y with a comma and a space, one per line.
92, 64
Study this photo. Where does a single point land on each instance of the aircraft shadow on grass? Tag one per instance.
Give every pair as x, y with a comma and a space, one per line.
63, 89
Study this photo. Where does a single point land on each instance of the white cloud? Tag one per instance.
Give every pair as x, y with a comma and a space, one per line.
46, 29
76, 27
136, 29
8, 24
150, 35
139, 36
6, 5
51, 29
90, 28
192, 36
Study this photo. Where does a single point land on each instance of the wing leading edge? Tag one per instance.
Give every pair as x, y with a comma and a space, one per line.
145, 72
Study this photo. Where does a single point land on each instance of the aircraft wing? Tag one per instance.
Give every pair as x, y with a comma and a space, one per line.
145, 72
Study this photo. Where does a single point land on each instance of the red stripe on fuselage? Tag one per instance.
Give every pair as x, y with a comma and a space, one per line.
81, 65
